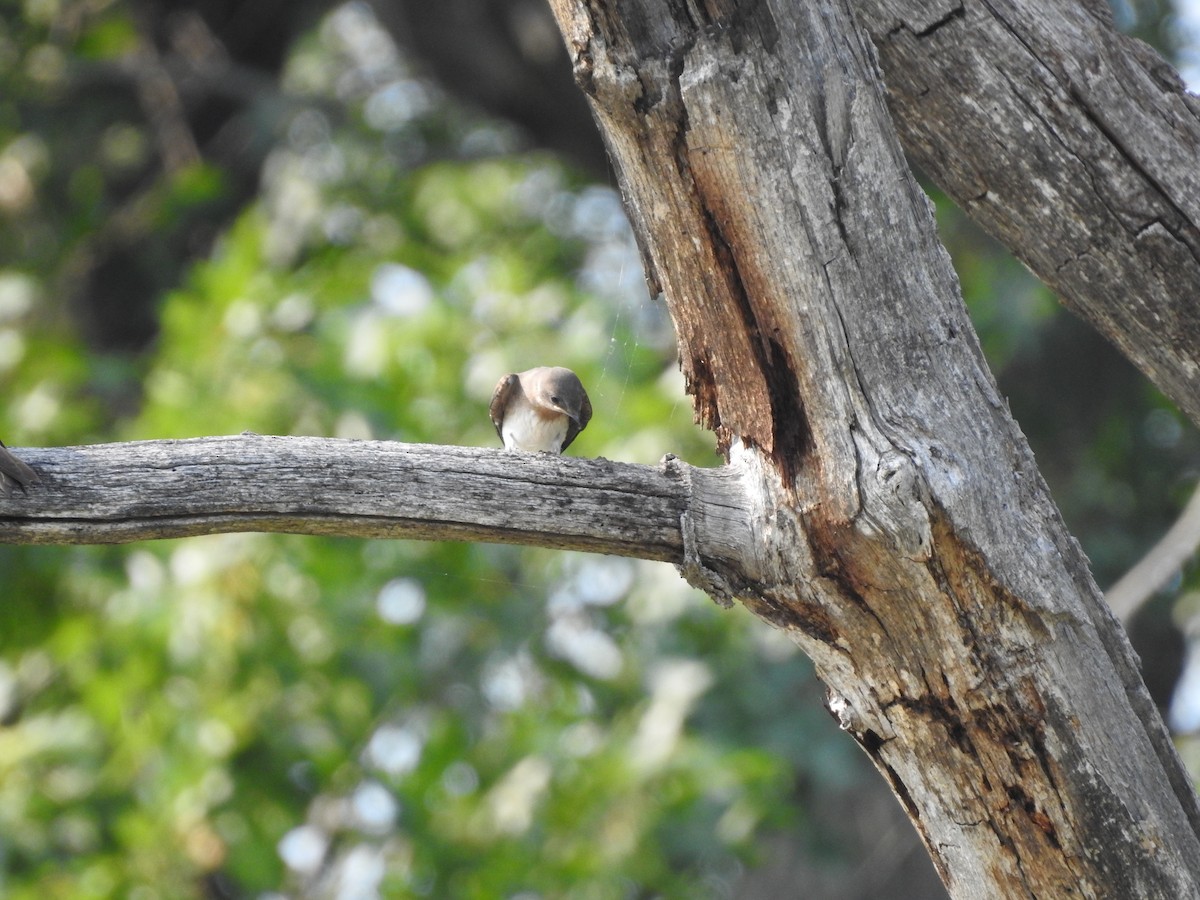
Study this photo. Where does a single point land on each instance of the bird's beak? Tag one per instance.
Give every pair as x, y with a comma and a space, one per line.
558, 407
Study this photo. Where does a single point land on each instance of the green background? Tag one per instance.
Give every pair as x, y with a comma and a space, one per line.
235, 715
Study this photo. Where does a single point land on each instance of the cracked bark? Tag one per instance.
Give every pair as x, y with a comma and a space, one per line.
148, 490
1072, 144
902, 534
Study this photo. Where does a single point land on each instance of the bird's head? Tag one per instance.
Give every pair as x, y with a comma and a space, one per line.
560, 390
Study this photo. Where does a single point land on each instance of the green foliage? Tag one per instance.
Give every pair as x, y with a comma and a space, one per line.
459, 720
266, 712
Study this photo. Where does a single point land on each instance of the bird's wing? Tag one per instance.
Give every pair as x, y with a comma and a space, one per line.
14, 471
500, 397
585, 416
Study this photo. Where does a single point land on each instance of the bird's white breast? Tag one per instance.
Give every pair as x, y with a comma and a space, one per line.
524, 429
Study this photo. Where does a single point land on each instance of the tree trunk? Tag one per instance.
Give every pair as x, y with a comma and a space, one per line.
903, 534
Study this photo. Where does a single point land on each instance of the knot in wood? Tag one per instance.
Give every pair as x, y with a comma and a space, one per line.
892, 491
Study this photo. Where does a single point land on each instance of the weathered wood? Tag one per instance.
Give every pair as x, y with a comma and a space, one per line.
143, 490
903, 535
1074, 145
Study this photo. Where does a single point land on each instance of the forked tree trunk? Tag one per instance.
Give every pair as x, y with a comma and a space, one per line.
903, 534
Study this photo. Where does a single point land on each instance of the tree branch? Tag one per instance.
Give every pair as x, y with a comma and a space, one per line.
1072, 144
144, 490
1161, 562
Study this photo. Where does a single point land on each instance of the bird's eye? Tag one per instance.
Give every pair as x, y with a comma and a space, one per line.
556, 401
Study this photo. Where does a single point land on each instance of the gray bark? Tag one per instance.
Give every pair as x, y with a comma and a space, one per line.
903, 534
145, 490
1075, 146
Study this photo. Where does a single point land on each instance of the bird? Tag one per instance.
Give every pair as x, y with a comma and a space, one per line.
13, 472
540, 410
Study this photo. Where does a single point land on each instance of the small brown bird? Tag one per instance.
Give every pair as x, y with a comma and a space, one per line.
13, 472
540, 410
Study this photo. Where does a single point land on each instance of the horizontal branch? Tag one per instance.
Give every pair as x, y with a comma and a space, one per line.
144, 490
